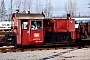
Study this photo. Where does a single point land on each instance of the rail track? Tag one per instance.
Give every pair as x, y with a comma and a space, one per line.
6, 49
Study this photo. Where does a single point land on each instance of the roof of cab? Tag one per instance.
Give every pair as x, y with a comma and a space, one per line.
29, 16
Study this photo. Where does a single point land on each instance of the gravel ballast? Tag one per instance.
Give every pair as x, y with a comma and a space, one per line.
59, 54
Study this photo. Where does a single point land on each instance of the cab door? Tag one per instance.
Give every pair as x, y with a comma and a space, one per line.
25, 31
36, 32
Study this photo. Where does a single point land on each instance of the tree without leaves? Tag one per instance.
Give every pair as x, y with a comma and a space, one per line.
3, 10
18, 4
25, 4
48, 9
70, 7
38, 6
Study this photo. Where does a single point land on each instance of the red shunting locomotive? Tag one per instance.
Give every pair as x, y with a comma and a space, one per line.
34, 29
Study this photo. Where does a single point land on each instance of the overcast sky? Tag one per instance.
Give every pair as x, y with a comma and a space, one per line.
58, 6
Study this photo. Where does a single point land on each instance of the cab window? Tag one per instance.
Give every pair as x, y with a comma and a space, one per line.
25, 25
36, 25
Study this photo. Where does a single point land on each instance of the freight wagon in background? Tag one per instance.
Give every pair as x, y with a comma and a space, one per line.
83, 25
35, 29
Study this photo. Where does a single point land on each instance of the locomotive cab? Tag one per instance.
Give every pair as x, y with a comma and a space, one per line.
29, 29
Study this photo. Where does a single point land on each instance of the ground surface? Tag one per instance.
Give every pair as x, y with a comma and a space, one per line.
59, 54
